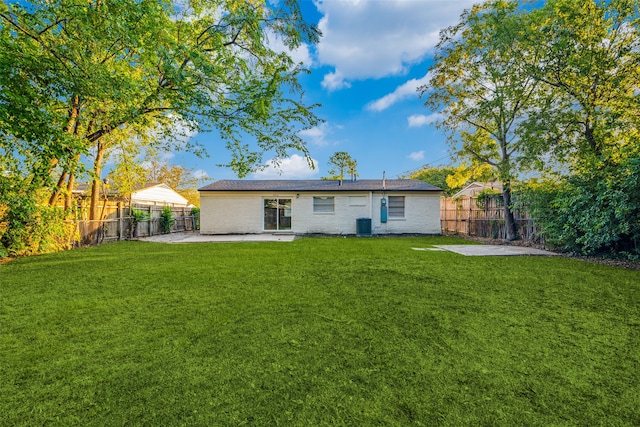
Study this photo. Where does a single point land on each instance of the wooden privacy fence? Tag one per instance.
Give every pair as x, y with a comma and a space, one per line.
483, 217
118, 223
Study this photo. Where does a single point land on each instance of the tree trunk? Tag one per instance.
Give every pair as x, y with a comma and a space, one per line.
96, 185
589, 134
511, 232
68, 197
71, 127
53, 200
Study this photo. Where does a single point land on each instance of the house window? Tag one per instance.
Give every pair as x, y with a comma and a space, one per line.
396, 206
323, 204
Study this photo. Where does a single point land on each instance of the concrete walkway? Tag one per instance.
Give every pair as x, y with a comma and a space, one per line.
207, 238
495, 250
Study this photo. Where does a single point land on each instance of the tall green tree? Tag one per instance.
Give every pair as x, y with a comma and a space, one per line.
483, 93
452, 179
342, 164
77, 76
436, 176
589, 59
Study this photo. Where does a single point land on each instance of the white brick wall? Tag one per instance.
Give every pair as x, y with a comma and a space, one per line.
421, 215
341, 221
242, 212
229, 213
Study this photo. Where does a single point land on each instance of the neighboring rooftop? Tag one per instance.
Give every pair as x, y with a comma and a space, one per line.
155, 194
320, 185
471, 190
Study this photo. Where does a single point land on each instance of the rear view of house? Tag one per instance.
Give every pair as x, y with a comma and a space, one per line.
365, 207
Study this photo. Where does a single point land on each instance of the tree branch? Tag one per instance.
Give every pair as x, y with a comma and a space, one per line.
37, 39
51, 26
479, 157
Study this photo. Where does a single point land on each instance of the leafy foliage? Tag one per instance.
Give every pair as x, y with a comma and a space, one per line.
586, 56
552, 88
486, 194
94, 69
28, 226
342, 164
130, 174
3, 223
166, 220
482, 92
137, 217
195, 213
592, 213
437, 176
452, 179
79, 78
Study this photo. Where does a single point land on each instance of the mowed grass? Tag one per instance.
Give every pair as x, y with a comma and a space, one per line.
320, 331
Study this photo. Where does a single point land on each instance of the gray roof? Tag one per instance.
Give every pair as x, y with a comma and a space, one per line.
320, 185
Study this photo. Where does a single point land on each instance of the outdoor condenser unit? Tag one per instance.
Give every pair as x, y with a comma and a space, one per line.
363, 227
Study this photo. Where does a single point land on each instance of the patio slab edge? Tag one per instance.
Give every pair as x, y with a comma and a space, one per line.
220, 238
495, 250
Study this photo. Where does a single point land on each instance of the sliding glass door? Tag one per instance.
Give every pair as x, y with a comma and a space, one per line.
277, 214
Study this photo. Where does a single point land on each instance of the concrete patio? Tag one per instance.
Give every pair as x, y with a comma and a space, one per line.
495, 250
208, 238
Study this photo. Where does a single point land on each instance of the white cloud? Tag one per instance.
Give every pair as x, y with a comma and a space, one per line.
301, 54
317, 135
200, 174
294, 167
166, 156
418, 120
406, 90
417, 155
372, 39
334, 81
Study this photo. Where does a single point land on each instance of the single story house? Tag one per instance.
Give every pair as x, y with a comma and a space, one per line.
365, 207
158, 194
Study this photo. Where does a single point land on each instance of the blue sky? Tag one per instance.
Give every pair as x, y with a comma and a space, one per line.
365, 71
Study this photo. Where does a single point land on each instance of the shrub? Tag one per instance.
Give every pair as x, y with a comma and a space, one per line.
487, 194
137, 216
166, 220
595, 212
30, 228
3, 227
195, 213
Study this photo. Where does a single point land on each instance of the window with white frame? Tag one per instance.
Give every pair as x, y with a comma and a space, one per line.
323, 204
396, 206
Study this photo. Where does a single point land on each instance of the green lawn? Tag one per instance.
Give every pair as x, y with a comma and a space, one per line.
321, 331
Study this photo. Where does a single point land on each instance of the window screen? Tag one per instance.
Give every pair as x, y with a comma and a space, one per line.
396, 206
323, 204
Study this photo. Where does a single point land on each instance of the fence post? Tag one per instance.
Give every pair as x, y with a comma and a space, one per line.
469, 218
150, 221
120, 221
